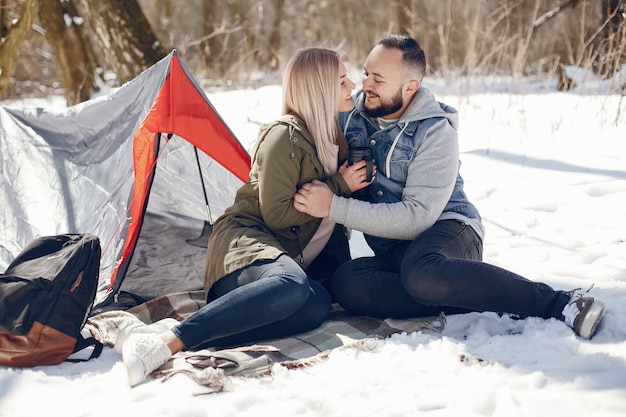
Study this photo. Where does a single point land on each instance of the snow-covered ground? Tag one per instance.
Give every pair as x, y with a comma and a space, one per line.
547, 170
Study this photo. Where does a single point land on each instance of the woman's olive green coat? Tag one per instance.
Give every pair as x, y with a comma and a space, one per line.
263, 223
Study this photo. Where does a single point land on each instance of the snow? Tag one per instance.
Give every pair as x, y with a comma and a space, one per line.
547, 171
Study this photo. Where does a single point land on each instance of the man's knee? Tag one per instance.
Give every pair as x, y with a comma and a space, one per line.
341, 282
420, 278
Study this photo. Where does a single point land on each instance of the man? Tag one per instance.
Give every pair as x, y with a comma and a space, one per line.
426, 235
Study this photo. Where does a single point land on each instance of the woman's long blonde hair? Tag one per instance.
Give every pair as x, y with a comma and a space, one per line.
311, 92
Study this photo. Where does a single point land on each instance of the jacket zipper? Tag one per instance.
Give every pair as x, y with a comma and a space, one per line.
294, 230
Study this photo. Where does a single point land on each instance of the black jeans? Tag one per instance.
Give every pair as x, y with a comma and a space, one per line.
440, 271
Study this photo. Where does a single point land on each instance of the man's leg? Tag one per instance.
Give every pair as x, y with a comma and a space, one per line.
372, 286
443, 266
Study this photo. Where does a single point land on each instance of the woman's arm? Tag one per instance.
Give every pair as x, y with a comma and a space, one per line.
278, 166
349, 178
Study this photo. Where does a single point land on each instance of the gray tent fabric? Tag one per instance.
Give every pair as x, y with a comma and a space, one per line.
70, 170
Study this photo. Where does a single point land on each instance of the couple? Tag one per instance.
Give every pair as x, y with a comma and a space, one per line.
276, 256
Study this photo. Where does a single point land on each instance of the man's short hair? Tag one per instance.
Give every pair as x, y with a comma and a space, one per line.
412, 53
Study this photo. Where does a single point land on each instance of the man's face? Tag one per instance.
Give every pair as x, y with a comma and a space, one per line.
383, 83
377, 106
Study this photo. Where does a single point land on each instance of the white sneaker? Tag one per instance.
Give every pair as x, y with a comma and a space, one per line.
143, 353
157, 327
583, 314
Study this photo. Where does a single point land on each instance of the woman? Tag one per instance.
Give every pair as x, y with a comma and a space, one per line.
260, 248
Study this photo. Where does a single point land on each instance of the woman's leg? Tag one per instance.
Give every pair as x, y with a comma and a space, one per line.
267, 299
308, 317
254, 303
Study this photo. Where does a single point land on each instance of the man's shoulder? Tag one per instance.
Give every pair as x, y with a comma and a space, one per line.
424, 106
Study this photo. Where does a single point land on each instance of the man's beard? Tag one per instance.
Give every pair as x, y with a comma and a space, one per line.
389, 107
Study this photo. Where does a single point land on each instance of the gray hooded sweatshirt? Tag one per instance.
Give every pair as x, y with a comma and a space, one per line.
417, 181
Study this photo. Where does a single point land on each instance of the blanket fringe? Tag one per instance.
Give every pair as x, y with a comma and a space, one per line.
213, 368
208, 377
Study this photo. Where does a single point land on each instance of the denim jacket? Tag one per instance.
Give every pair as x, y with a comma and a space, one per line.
417, 180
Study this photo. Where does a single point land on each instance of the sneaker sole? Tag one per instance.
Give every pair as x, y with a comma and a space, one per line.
590, 324
134, 369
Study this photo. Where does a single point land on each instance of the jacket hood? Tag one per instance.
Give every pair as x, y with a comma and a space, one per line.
423, 106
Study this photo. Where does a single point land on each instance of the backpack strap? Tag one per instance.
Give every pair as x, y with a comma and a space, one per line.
84, 343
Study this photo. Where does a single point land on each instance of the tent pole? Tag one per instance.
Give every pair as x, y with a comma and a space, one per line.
202, 241
206, 198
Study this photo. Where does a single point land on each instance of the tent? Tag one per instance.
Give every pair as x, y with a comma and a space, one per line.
146, 169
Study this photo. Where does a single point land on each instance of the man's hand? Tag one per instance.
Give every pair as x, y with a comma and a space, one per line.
313, 199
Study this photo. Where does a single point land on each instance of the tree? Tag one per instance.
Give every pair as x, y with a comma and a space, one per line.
405, 17
124, 36
246, 42
73, 54
613, 38
11, 38
211, 47
273, 60
613, 12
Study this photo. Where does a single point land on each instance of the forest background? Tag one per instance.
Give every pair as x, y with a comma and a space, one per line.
74, 47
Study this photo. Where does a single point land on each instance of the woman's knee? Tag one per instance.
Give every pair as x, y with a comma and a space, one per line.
292, 275
318, 306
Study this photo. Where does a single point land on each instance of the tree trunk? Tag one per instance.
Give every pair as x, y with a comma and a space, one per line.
211, 47
10, 42
74, 57
273, 60
124, 35
613, 39
613, 13
405, 17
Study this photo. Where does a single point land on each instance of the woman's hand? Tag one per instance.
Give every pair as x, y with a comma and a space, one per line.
354, 175
314, 198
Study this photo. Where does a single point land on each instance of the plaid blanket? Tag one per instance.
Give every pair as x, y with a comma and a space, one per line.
211, 367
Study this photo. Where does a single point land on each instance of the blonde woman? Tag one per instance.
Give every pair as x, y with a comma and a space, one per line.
266, 261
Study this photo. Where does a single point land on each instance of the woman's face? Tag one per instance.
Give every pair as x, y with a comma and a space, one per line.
345, 98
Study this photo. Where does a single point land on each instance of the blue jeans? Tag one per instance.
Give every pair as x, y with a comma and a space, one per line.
440, 271
266, 300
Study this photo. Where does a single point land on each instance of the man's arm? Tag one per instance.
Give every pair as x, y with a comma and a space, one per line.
430, 182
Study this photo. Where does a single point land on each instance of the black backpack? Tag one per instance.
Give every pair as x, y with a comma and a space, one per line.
46, 295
